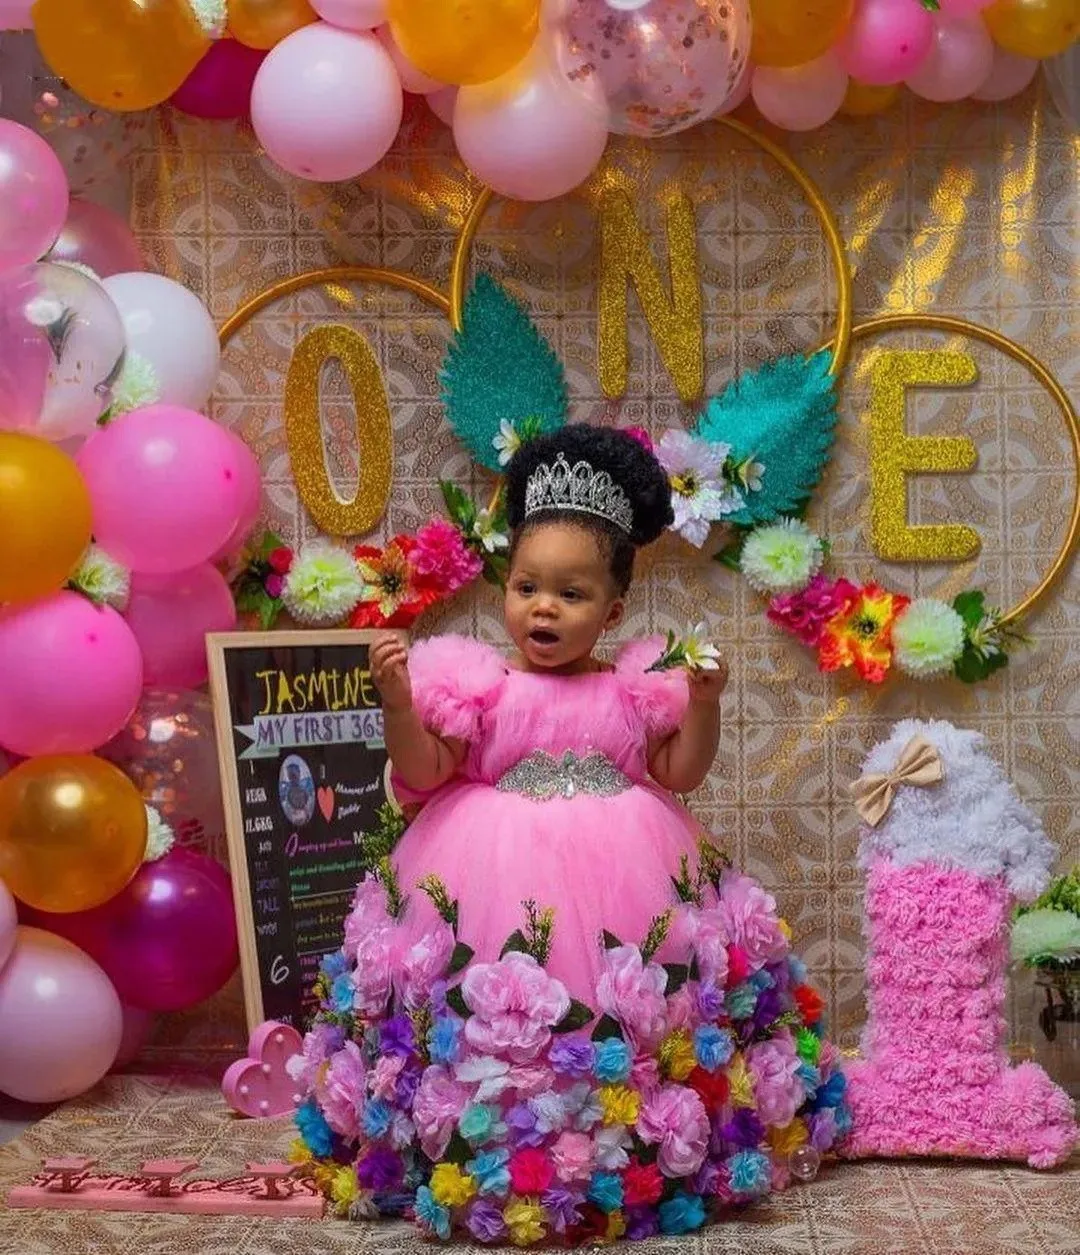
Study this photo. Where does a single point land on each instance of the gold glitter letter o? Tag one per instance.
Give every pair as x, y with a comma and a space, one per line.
304, 436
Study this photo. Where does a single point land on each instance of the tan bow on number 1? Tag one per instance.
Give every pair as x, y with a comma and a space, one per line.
919, 764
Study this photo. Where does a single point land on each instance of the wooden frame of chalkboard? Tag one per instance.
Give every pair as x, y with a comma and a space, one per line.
303, 772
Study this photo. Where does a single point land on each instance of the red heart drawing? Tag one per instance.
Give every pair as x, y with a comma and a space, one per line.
259, 1086
325, 798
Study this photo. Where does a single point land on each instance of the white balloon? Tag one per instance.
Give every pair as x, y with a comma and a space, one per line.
169, 327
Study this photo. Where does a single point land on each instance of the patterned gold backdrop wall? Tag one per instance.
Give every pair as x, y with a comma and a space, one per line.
967, 211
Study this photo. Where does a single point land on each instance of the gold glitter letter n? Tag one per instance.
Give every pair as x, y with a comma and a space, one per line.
675, 321
895, 454
374, 434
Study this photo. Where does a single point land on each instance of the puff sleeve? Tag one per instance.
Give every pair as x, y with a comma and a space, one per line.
454, 681
658, 699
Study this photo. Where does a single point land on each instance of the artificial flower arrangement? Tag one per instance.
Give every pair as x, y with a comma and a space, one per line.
1046, 938
481, 1100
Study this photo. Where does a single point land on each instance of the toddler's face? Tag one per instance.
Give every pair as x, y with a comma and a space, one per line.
559, 597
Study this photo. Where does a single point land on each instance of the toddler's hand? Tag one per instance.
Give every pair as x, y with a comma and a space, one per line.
389, 669
706, 686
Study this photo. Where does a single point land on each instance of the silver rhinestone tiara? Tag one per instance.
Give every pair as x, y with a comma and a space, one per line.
559, 486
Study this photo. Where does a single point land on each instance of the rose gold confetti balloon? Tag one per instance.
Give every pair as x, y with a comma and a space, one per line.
664, 65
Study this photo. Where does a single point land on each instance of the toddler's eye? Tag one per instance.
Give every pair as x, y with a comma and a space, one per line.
526, 589
571, 594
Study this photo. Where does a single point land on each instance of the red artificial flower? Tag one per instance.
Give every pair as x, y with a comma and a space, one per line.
280, 560
738, 965
642, 1184
591, 1228
711, 1087
531, 1171
860, 636
392, 596
811, 1003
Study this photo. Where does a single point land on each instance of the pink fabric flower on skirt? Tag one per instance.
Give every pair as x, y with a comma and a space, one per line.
341, 1095
572, 1156
632, 991
514, 1004
369, 911
709, 937
423, 964
749, 915
778, 1089
374, 964
675, 1119
439, 1102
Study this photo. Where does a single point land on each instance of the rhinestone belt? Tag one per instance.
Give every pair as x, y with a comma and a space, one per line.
542, 777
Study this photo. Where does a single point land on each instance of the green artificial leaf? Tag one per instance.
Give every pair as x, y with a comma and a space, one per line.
458, 1150
784, 416
971, 607
460, 958
729, 556
459, 505
677, 976
496, 569
607, 1026
455, 1000
611, 942
973, 665
577, 1017
515, 943
500, 367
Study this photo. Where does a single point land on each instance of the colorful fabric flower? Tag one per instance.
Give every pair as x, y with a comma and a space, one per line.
641, 436
550, 1111
313, 1129
397, 1037
380, 1169
376, 1118
710, 998
525, 1220
613, 1060
572, 1156
485, 1221
562, 1206
611, 1143
682, 1214
713, 1046
606, 1191
571, 1055
740, 1082
786, 1138
641, 1223
642, 1184
677, 1055
591, 1229
632, 992
384, 1076
781, 557
320, 1042
709, 939
437, 1108
927, 638
774, 1065
619, 1103
515, 1004
804, 614
450, 1185
390, 595
521, 1124
583, 1108
342, 1091
323, 585
442, 560
370, 910
810, 1002
531, 1171
432, 1217
490, 1172
423, 963
674, 1118
444, 1039
749, 1172
700, 494
749, 916
480, 1123
711, 1087
860, 636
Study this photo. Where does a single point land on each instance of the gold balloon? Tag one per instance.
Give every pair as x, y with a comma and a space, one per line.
44, 517
1034, 28
464, 41
864, 99
264, 23
72, 832
122, 55
792, 32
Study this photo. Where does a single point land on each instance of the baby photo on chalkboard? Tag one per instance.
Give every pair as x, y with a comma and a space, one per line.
296, 791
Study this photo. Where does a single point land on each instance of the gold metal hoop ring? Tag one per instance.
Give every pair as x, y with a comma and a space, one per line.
960, 326
841, 339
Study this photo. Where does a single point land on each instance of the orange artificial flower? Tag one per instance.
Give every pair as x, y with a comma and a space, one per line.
391, 597
860, 636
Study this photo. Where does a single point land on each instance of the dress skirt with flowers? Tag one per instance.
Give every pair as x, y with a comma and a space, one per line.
557, 1014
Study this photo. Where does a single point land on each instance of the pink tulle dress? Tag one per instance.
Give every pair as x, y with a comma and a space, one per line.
553, 802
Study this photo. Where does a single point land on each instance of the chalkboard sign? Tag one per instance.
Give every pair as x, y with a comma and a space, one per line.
303, 771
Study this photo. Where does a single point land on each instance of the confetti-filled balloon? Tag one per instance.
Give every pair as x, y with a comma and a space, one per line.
120, 54
663, 65
464, 41
1034, 28
792, 32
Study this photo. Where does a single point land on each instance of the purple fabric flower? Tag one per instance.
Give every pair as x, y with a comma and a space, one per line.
710, 1001
485, 1221
521, 1123
822, 1129
562, 1205
407, 1085
743, 1129
396, 1037
641, 1222
571, 1056
768, 1007
778, 1087
438, 997
706, 1178
380, 1170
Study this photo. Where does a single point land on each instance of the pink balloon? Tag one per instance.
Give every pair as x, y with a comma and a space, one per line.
33, 195
168, 939
25, 356
531, 134
60, 1019
250, 499
219, 87
138, 1027
961, 57
327, 103
71, 678
412, 79
9, 919
166, 485
442, 104
886, 41
802, 97
741, 93
170, 616
96, 237
357, 15
964, 8
16, 15
1008, 76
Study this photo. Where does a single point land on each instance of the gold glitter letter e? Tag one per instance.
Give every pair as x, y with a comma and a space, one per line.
676, 323
895, 454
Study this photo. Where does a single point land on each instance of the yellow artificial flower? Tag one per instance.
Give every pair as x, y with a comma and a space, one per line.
323, 1176
450, 1186
298, 1151
619, 1103
677, 1055
741, 1082
790, 1137
344, 1190
525, 1219
616, 1227
785, 928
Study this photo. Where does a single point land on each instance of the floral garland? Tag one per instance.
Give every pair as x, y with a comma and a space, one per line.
468, 1096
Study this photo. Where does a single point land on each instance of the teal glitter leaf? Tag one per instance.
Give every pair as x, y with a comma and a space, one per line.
784, 416
499, 367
